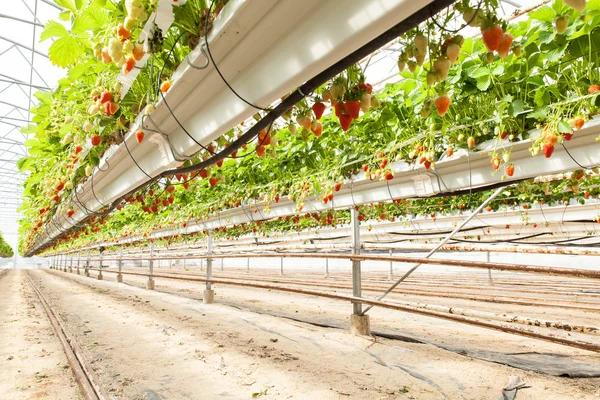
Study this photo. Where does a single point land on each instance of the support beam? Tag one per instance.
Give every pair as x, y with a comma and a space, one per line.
150, 283
120, 264
209, 293
359, 323
86, 270
442, 243
100, 276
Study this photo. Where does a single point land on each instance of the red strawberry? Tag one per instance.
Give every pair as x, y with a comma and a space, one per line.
510, 170
567, 136
337, 187
587, 195
60, 186
212, 181
495, 162
105, 97
260, 151
384, 163
442, 103
78, 149
318, 109
427, 164
365, 167
578, 121
352, 107
123, 32
139, 136
128, 66
548, 150
96, 140
317, 128
449, 151
170, 188
593, 89
220, 163
171, 199
345, 121
488, 209
503, 135
339, 109
276, 198
203, 173
56, 198
492, 36
504, 46
389, 176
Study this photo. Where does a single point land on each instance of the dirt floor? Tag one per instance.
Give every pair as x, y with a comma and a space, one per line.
33, 364
155, 345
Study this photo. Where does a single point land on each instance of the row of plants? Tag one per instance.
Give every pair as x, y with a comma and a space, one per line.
576, 186
6, 251
455, 93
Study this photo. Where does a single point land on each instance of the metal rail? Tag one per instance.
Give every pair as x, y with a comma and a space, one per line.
456, 318
85, 375
532, 269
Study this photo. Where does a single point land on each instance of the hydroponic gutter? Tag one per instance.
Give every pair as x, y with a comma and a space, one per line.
461, 171
267, 52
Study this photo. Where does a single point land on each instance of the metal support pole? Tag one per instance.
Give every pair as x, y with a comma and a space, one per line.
487, 259
71, 264
201, 264
248, 264
391, 275
87, 264
327, 268
222, 264
184, 260
442, 243
78, 262
209, 294
359, 323
150, 283
356, 273
120, 265
209, 261
100, 276
281, 267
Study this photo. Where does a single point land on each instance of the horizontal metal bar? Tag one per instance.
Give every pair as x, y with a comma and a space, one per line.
21, 20
532, 269
25, 84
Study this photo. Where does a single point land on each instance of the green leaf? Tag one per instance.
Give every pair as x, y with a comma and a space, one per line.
65, 16
53, 29
515, 108
539, 113
84, 22
65, 51
593, 5
547, 36
557, 54
483, 83
564, 127
44, 97
498, 70
68, 4
478, 72
29, 129
541, 97
32, 143
546, 14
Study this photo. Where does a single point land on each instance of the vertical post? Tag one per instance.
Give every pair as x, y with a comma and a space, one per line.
209, 294
391, 274
150, 283
359, 323
71, 264
78, 262
64, 262
281, 268
327, 268
100, 276
248, 265
201, 264
222, 260
487, 259
120, 264
87, 265
184, 260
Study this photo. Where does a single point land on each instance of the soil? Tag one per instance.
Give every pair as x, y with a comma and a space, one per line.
33, 364
154, 345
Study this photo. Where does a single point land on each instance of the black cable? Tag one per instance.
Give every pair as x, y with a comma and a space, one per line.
215, 64
131, 155
572, 158
94, 193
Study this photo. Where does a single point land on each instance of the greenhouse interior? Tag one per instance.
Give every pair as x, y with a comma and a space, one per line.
283, 199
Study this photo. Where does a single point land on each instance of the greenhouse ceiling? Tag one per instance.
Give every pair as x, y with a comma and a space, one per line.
24, 69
